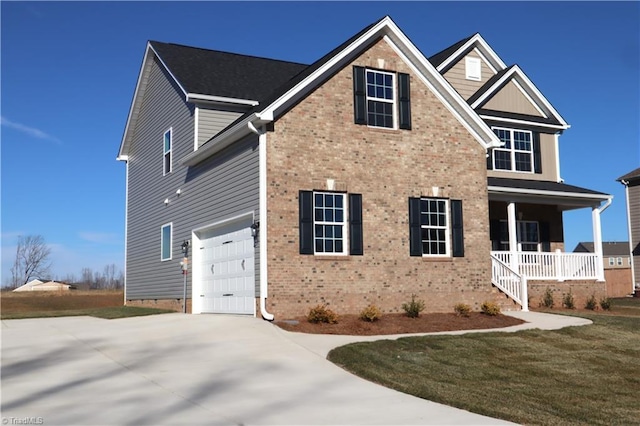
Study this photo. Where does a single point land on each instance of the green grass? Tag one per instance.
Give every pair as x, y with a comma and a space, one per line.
577, 375
112, 312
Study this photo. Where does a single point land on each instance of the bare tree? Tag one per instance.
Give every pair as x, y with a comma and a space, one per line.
87, 276
109, 276
32, 259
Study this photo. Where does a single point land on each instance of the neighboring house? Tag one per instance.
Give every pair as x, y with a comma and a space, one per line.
44, 285
366, 177
631, 181
617, 266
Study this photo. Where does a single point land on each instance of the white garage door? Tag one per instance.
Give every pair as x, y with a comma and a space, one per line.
227, 270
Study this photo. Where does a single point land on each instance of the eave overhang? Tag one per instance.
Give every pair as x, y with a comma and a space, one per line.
387, 30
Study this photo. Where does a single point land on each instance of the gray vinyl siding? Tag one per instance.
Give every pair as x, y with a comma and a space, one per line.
634, 209
221, 187
456, 76
211, 121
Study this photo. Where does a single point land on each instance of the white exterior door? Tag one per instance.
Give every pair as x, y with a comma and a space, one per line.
227, 270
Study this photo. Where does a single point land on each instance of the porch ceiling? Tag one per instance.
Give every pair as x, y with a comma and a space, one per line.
565, 197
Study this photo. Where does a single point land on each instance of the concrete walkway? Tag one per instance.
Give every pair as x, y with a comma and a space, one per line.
198, 369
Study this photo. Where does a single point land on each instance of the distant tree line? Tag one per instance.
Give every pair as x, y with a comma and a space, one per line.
32, 260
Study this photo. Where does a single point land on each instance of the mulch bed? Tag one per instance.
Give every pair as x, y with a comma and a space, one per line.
400, 324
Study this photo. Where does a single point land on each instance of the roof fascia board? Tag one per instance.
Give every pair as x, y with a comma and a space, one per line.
523, 122
526, 191
133, 110
527, 85
489, 53
124, 144
448, 96
197, 97
485, 60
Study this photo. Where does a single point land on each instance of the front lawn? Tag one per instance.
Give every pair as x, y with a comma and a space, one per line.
577, 375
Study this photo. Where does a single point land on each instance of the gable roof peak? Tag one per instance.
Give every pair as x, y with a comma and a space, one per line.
448, 57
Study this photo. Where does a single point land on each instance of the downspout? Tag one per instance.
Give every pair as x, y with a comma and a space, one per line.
126, 228
262, 239
633, 266
597, 240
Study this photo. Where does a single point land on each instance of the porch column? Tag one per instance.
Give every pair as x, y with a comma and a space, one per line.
597, 242
513, 237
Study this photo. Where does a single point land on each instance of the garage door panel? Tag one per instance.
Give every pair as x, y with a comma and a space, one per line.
228, 270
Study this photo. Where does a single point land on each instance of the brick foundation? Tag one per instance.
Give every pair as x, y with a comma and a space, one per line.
581, 291
172, 304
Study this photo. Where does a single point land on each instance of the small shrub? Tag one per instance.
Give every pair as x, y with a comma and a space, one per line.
605, 303
547, 299
462, 309
490, 308
321, 313
568, 301
591, 304
413, 308
370, 314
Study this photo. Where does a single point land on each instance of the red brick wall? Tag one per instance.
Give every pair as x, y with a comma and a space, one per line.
318, 140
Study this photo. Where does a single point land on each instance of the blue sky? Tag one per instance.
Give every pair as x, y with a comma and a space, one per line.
69, 70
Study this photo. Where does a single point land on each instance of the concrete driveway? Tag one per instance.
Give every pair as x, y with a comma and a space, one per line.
190, 369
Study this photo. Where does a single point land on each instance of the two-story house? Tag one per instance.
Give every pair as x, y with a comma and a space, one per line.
631, 182
617, 265
369, 176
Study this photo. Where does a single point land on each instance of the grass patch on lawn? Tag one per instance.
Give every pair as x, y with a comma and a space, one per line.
96, 303
577, 375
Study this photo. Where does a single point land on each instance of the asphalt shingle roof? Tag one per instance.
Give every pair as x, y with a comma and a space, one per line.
630, 176
609, 248
540, 185
441, 56
216, 73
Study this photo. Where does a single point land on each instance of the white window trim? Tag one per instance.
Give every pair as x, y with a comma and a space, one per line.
469, 64
447, 227
170, 225
612, 261
165, 152
393, 102
619, 261
512, 152
345, 222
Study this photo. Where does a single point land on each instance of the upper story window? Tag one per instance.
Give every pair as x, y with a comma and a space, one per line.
517, 153
612, 261
381, 98
166, 147
619, 261
473, 68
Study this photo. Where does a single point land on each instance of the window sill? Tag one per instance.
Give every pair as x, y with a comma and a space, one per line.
321, 257
437, 259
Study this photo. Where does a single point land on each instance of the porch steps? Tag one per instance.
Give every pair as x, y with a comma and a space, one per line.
510, 282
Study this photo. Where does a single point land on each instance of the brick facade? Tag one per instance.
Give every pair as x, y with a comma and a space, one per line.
317, 140
172, 304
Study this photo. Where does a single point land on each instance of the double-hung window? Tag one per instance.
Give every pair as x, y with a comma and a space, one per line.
612, 261
435, 227
166, 148
166, 241
517, 153
330, 223
381, 98
527, 235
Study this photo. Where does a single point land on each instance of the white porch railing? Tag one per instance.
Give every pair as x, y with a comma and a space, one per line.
552, 266
509, 281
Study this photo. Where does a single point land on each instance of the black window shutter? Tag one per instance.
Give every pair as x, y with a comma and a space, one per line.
457, 231
359, 96
494, 233
545, 236
404, 104
415, 237
306, 222
537, 155
356, 246
490, 160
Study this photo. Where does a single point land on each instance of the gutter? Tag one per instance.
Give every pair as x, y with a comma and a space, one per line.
262, 167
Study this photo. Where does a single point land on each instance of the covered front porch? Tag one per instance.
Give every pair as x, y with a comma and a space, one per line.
527, 234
